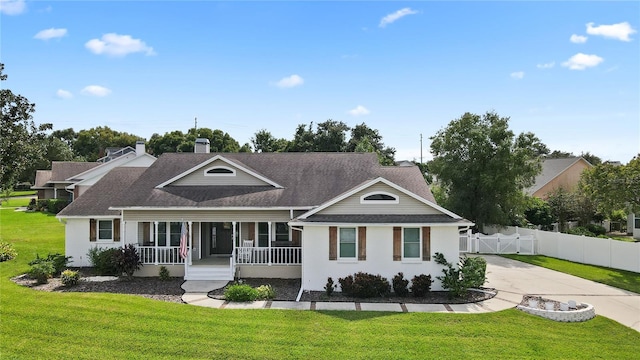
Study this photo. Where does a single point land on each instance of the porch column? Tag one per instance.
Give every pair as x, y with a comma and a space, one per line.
200, 241
233, 232
123, 231
269, 243
155, 241
190, 255
55, 192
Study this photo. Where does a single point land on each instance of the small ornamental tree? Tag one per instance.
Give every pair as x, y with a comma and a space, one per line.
127, 260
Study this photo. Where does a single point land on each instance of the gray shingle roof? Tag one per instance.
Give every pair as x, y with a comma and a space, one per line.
309, 179
551, 168
63, 170
42, 178
97, 199
384, 219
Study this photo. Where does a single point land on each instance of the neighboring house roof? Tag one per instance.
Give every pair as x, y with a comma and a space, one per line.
42, 178
307, 180
551, 169
63, 171
96, 202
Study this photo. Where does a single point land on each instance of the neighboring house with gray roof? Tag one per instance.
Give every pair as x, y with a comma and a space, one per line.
558, 173
280, 215
69, 179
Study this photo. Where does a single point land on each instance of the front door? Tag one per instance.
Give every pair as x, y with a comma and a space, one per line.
217, 238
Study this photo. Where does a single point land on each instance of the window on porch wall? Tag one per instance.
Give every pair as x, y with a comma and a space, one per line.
282, 231
174, 236
263, 234
162, 234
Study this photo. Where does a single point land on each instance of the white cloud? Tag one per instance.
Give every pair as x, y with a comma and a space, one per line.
50, 34
359, 111
396, 16
118, 45
582, 61
96, 90
547, 65
12, 7
64, 94
620, 31
290, 81
578, 39
517, 75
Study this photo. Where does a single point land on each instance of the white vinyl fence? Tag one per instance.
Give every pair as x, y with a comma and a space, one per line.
582, 249
497, 243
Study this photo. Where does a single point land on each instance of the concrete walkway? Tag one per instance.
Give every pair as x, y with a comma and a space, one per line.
511, 278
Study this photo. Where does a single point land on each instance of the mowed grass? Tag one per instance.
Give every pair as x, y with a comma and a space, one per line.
15, 202
88, 326
621, 279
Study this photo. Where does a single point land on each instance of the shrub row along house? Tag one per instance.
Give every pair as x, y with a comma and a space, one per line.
274, 215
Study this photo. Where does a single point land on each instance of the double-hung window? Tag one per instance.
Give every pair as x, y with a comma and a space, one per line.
411, 243
105, 230
347, 243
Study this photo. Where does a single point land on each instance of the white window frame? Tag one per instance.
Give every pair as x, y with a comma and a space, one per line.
413, 259
355, 257
98, 238
276, 233
233, 171
395, 201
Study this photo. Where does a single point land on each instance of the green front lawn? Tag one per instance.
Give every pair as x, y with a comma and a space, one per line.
23, 193
621, 279
88, 326
15, 202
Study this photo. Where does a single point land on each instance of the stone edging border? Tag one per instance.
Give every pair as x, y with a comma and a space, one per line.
579, 315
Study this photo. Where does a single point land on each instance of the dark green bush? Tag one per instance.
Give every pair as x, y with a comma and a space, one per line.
469, 274
54, 206
164, 273
366, 285
400, 285
102, 261
329, 287
596, 229
57, 260
32, 204
580, 230
69, 278
346, 284
7, 251
126, 260
421, 285
240, 292
265, 292
42, 204
473, 271
41, 271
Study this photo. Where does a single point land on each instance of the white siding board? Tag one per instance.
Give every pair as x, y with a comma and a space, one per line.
206, 215
406, 204
197, 178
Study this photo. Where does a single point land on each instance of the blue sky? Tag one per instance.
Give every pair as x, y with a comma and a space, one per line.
567, 71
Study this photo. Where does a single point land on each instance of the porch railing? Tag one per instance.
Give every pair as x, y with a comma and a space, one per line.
269, 256
162, 255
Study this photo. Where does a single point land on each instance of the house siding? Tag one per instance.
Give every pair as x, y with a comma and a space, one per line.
567, 180
77, 243
317, 266
406, 204
206, 215
197, 178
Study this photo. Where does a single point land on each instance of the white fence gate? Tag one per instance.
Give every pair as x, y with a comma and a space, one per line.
497, 243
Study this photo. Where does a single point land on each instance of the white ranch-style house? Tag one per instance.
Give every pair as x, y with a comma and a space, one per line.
267, 215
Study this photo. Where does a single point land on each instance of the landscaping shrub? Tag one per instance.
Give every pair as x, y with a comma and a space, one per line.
596, 229
54, 206
469, 274
421, 285
102, 260
473, 271
164, 273
400, 285
329, 287
364, 285
240, 292
32, 205
42, 205
7, 251
69, 278
126, 260
265, 292
580, 230
57, 260
346, 284
41, 271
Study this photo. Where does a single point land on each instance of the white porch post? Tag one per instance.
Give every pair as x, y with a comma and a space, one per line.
123, 231
55, 192
190, 242
200, 241
269, 243
155, 237
234, 233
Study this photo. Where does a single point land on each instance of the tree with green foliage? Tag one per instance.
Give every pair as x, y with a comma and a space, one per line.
177, 141
20, 138
484, 167
362, 136
612, 187
264, 141
538, 212
92, 144
563, 207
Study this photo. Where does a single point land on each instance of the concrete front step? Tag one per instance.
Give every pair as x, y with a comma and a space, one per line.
206, 273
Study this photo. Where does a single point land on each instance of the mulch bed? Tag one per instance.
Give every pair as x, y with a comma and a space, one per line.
286, 290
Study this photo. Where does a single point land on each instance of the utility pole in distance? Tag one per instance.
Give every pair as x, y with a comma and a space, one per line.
420, 148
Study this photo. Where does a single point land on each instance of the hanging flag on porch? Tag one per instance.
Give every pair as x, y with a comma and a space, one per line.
183, 240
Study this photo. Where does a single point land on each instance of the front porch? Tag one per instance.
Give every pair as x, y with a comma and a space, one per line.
221, 250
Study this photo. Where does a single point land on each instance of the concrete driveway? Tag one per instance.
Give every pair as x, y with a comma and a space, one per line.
514, 278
